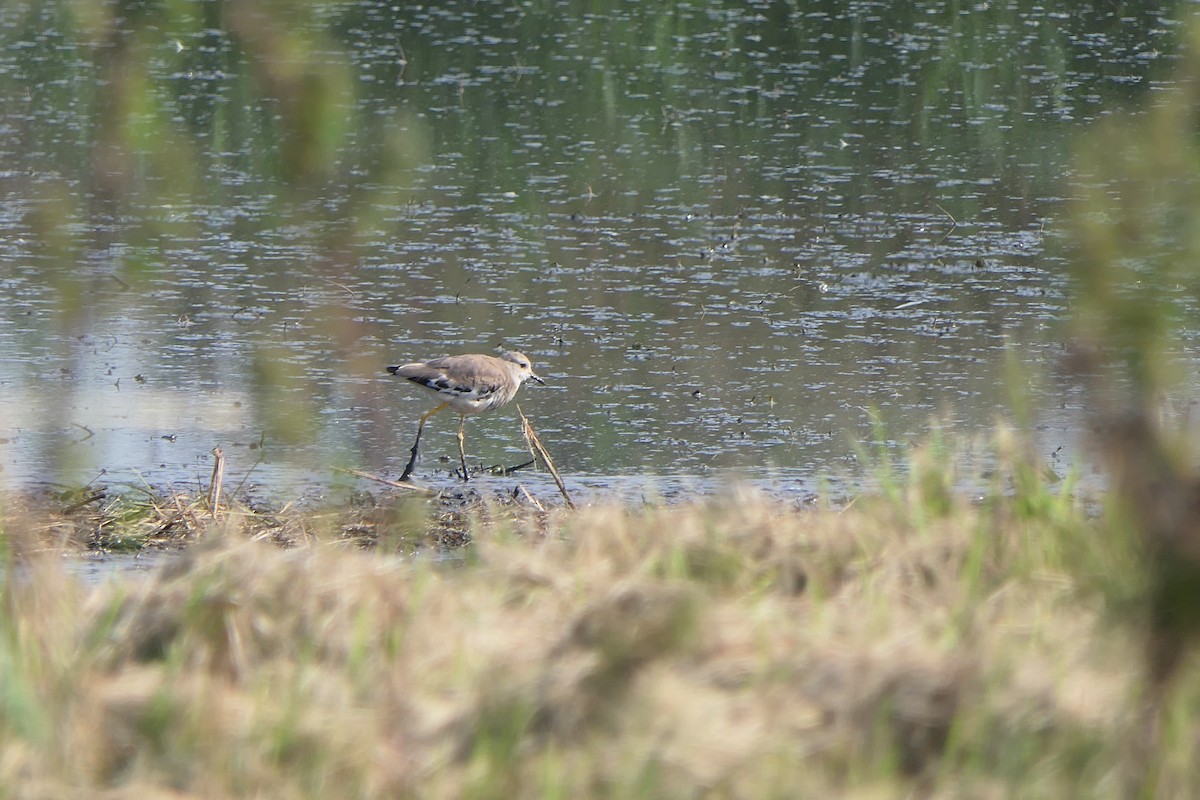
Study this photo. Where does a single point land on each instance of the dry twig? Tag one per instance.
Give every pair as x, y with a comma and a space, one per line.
358, 473
535, 447
214, 484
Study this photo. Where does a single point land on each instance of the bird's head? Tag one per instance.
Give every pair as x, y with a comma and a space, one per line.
525, 367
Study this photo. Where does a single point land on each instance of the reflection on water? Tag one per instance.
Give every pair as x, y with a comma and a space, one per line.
726, 236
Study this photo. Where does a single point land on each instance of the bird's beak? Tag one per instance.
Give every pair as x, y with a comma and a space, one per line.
536, 378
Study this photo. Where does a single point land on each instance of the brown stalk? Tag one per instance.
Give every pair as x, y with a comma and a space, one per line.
358, 473
214, 484
535, 447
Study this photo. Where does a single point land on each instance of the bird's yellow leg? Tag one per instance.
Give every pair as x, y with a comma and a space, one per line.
462, 446
412, 461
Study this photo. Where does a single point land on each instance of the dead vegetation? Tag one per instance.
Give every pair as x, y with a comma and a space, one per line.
119, 519
913, 644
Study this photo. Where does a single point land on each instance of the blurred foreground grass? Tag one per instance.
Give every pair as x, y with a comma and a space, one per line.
915, 641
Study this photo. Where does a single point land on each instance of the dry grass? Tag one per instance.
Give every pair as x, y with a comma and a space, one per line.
914, 644
120, 520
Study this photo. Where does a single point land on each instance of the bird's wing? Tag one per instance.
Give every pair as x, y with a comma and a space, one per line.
456, 374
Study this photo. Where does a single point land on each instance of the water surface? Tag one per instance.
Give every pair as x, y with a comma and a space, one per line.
733, 238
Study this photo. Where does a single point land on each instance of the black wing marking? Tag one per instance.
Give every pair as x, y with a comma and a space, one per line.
443, 384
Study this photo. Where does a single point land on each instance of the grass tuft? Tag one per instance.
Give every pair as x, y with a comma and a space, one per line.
918, 641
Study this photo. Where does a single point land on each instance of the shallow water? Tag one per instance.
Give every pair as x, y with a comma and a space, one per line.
94, 569
734, 240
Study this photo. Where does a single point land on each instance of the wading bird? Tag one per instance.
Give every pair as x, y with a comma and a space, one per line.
470, 384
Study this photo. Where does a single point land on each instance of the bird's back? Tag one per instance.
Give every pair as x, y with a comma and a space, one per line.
471, 384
